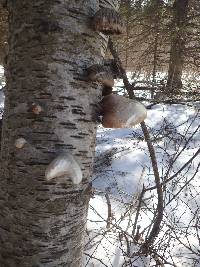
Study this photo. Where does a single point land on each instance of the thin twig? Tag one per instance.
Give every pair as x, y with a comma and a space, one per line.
121, 70
160, 207
109, 218
185, 184
97, 259
138, 210
178, 172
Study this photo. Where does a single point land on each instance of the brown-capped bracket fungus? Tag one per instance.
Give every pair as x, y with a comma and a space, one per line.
107, 90
121, 112
100, 73
64, 167
111, 64
108, 21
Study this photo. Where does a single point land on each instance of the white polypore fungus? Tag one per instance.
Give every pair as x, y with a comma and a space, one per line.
64, 165
20, 142
139, 113
121, 112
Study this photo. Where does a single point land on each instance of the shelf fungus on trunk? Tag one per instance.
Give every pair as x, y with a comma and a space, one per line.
108, 21
64, 166
100, 73
20, 142
121, 112
107, 90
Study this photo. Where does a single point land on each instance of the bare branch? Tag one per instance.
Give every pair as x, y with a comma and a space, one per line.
138, 210
160, 208
178, 172
109, 218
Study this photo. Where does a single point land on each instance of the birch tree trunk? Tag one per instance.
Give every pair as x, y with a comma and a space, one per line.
51, 44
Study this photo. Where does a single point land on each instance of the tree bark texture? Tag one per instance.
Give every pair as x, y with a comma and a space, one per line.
3, 33
51, 44
180, 10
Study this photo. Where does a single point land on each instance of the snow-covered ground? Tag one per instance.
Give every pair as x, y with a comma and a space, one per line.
122, 166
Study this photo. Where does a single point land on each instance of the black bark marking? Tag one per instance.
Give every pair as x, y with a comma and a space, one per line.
83, 134
83, 120
68, 125
77, 137
70, 98
78, 111
45, 95
47, 26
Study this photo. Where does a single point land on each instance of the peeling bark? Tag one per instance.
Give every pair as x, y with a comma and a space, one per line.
51, 44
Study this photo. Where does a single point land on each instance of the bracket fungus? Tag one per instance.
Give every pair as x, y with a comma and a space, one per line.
102, 74
20, 142
121, 112
64, 165
107, 90
108, 21
36, 109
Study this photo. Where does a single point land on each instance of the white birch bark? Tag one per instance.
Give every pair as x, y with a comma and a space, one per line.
51, 44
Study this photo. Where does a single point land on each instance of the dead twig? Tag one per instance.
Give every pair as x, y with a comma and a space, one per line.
95, 258
138, 210
160, 207
109, 218
178, 172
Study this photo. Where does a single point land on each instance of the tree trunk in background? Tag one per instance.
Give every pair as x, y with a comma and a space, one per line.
127, 22
180, 10
157, 21
50, 45
3, 33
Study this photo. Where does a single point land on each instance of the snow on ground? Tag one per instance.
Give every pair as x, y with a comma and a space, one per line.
122, 166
